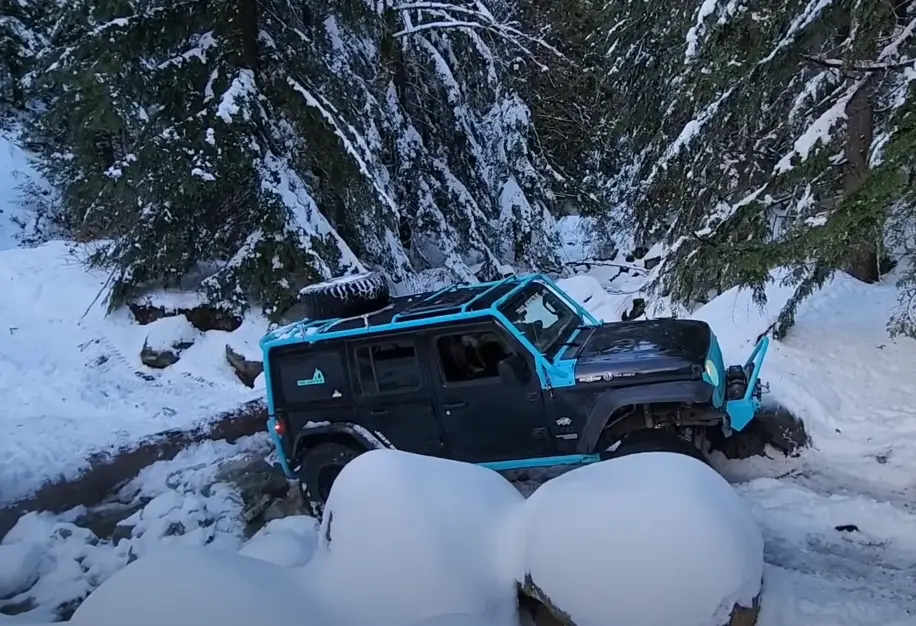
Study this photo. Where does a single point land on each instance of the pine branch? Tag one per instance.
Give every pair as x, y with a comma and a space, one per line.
860, 66
462, 17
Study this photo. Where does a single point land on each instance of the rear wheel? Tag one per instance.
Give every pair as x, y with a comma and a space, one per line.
319, 467
656, 440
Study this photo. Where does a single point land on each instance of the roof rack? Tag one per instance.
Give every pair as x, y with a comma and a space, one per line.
451, 300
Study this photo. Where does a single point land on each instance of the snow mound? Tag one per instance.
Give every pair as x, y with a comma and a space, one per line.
51, 562
214, 587
288, 541
432, 546
603, 541
171, 333
588, 292
67, 367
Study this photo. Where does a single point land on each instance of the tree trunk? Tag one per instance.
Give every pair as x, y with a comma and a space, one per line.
862, 262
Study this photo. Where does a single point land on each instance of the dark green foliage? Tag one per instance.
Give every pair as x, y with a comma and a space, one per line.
278, 144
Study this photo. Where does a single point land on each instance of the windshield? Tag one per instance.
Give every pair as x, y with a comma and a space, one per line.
542, 316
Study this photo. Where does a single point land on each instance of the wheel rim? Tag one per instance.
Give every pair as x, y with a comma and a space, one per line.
326, 478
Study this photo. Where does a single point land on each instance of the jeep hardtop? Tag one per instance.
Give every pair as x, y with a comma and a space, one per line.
512, 374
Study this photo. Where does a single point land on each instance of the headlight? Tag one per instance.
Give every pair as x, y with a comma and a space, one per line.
712, 372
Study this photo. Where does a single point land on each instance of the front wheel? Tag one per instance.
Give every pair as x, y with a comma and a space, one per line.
656, 440
319, 466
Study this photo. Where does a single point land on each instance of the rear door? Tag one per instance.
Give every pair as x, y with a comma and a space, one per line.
393, 390
311, 384
483, 418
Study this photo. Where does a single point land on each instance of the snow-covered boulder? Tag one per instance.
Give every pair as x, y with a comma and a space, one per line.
407, 538
191, 586
288, 541
167, 338
650, 539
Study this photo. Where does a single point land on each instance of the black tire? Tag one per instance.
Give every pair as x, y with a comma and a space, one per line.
650, 440
346, 296
319, 466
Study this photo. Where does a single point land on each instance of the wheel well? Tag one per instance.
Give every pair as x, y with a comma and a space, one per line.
634, 417
345, 439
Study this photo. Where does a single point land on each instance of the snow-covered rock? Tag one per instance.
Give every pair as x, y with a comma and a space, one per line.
288, 541
650, 539
191, 586
408, 537
21, 567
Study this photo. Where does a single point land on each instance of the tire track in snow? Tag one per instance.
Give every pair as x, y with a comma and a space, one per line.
820, 574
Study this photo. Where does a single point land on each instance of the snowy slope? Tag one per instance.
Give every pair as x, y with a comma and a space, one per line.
61, 372
73, 385
854, 387
17, 171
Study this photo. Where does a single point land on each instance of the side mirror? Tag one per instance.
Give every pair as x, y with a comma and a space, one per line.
514, 370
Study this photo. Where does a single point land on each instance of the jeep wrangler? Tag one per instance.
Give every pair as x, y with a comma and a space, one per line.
511, 375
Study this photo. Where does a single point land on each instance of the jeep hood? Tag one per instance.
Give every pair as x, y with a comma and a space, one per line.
666, 349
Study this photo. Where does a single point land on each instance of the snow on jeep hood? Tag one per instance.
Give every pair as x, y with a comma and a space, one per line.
652, 346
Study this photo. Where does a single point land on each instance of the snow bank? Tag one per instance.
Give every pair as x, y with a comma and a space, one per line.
430, 546
649, 539
72, 379
51, 561
588, 292
214, 587
289, 541
17, 170
840, 372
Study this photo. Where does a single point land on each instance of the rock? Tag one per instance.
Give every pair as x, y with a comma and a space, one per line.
638, 310
246, 371
203, 317
107, 521
652, 262
157, 359
260, 486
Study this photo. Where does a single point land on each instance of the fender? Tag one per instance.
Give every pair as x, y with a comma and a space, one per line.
368, 439
608, 402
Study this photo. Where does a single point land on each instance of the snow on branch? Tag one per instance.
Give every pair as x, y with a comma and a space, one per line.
861, 66
421, 16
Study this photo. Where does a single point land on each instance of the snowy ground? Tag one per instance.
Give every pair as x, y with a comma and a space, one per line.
838, 369
837, 521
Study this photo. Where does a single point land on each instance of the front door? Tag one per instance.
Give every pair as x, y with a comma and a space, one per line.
483, 418
394, 395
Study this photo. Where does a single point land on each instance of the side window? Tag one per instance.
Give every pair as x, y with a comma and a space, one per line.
388, 367
471, 356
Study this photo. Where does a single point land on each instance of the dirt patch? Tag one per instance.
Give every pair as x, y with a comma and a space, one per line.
108, 471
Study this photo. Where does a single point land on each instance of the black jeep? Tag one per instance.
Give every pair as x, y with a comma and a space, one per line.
511, 375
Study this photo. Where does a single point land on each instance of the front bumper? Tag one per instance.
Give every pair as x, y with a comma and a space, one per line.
736, 389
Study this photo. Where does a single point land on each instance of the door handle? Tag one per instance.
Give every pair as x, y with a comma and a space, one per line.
455, 405
378, 412
539, 433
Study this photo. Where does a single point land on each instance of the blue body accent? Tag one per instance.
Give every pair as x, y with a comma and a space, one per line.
557, 374
547, 461
551, 375
741, 412
715, 355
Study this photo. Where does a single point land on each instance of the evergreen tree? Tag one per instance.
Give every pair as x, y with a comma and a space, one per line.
21, 38
285, 143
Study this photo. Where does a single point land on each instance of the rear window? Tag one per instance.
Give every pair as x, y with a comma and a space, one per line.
310, 376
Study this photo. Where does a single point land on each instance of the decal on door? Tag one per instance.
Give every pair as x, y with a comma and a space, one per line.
316, 379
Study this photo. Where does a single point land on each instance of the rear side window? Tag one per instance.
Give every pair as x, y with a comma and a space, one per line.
310, 376
388, 367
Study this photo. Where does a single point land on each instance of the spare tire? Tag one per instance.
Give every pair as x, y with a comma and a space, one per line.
347, 296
